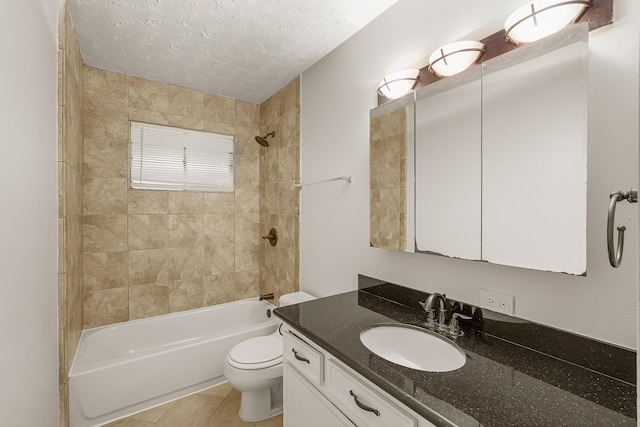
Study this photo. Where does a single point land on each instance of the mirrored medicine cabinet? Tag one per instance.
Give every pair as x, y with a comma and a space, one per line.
490, 164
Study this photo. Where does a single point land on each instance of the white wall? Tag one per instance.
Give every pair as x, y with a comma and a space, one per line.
336, 96
28, 214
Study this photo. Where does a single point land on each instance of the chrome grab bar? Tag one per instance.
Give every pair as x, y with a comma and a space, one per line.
615, 255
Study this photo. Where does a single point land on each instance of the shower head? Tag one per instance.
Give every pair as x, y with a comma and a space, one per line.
262, 140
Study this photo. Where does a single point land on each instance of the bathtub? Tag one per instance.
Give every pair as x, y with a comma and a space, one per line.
128, 367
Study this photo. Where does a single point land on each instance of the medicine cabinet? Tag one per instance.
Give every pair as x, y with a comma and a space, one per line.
495, 161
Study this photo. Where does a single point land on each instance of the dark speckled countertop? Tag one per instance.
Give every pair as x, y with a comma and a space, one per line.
517, 373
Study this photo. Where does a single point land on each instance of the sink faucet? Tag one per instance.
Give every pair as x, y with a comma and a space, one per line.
428, 306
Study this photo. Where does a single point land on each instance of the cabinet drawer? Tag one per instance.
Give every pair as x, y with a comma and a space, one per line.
362, 404
306, 359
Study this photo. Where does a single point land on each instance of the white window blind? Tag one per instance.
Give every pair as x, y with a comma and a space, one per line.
169, 158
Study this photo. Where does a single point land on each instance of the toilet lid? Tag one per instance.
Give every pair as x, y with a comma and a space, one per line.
257, 353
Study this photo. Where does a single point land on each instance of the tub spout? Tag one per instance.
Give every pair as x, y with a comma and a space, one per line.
266, 296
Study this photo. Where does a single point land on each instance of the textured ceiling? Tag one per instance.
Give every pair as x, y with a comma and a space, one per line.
243, 49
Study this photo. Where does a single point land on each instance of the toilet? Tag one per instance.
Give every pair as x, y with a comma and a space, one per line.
254, 367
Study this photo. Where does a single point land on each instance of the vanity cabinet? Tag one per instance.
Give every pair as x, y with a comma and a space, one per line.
306, 406
331, 394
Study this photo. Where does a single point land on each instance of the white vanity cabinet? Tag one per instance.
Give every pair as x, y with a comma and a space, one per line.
319, 390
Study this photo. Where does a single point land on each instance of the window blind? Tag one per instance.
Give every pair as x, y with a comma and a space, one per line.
167, 158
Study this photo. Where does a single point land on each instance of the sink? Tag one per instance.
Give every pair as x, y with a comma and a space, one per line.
413, 347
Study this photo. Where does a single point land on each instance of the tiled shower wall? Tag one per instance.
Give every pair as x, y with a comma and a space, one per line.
69, 203
279, 199
149, 252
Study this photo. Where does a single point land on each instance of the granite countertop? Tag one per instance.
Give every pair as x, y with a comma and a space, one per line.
517, 373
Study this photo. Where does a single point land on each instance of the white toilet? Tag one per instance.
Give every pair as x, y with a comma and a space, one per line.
254, 367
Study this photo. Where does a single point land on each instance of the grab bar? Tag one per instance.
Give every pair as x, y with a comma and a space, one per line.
615, 255
338, 178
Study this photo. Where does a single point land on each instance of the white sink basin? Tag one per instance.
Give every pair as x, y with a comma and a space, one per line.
413, 348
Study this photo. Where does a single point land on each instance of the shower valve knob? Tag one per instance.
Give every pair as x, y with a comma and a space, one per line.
272, 237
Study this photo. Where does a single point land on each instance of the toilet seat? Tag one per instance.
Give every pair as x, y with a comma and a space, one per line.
256, 353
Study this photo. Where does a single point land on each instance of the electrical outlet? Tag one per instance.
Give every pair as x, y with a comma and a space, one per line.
496, 301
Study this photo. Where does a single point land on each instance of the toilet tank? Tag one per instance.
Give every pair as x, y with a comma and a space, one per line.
294, 298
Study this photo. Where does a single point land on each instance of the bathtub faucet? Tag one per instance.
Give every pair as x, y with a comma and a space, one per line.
266, 296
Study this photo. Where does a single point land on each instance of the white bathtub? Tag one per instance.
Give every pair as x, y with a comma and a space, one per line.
129, 367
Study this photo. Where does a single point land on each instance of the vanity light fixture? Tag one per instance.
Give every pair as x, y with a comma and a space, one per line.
455, 57
398, 83
542, 18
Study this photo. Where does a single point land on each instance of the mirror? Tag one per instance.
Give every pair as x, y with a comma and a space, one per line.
391, 144
500, 156
448, 166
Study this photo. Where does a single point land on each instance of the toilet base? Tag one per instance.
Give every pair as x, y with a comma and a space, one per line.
258, 405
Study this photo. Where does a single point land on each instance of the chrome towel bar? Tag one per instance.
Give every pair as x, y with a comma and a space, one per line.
338, 178
615, 255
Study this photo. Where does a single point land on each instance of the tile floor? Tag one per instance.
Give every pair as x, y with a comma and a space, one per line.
214, 407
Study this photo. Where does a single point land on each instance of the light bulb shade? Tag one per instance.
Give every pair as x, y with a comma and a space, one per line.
398, 83
455, 57
542, 18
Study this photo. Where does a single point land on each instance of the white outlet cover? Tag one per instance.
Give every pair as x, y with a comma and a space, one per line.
502, 303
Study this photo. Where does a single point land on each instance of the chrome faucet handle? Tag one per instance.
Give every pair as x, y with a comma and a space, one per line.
460, 315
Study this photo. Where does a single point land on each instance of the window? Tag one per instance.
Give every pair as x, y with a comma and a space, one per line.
166, 158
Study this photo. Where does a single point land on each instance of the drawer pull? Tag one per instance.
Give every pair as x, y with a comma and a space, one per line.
362, 405
295, 353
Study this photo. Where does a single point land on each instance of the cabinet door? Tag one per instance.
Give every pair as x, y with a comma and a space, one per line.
534, 157
447, 166
305, 406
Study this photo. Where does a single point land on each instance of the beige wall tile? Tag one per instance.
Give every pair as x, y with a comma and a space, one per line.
219, 229
105, 86
186, 102
186, 294
185, 230
186, 263
219, 259
185, 202
247, 199
219, 127
148, 116
219, 289
106, 159
288, 163
245, 141
147, 202
247, 256
218, 202
288, 129
219, 109
148, 95
271, 201
147, 231
247, 284
247, 114
103, 233
148, 266
105, 270
247, 228
288, 226
247, 171
103, 196
287, 266
148, 300
105, 121
288, 199
184, 122
272, 166
62, 301
105, 307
